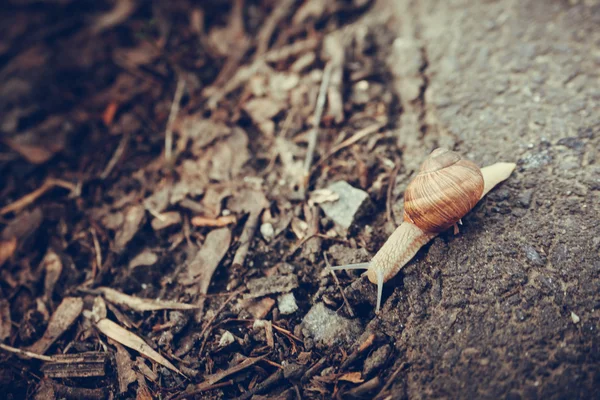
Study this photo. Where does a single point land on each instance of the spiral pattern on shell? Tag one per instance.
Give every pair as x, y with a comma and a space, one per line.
446, 188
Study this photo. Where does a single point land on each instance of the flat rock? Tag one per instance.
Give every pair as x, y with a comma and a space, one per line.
351, 205
271, 284
328, 328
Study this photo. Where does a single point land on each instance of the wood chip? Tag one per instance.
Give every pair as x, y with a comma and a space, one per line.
214, 222
65, 315
354, 377
81, 365
140, 363
259, 309
141, 304
125, 372
129, 339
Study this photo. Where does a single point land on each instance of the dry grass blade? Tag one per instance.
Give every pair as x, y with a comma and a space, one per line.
25, 353
171, 121
141, 304
314, 134
129, 339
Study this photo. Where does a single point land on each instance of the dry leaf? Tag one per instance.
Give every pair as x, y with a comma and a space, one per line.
141, 304
354, 377
129, 339
119, 13
64, 316
144, 259
43, 141
322, 196
165, 220
205, 262
133, 219
5, 320
7, 249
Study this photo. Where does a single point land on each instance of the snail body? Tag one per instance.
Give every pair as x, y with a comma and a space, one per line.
444, 190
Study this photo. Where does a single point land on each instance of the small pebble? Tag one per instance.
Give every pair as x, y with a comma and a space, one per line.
524, 198
226, 339
287, 304
575, 318
267, 231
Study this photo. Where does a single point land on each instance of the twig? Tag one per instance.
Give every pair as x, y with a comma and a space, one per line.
185, 395
280, 11
314, 134
361, 134
215, 93
334, 47
364, 388
210, 322
37, 193
116, 156
264, 385
287, 333
390, 190
368, 342
171, 121
25, 353
98, 252
389, 382
337, 282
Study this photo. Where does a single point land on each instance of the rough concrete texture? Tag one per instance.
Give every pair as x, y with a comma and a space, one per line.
487, 313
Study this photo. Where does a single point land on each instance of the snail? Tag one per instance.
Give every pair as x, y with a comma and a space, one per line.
444, 190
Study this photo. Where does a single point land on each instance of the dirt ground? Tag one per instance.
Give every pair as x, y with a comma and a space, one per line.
168, 207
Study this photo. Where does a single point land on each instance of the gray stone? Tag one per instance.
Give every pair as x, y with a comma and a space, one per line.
532, 255
287, 304
351, 205
524, 199
328, 328
271, 284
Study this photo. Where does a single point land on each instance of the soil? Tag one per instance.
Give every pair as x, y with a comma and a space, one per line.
228, 224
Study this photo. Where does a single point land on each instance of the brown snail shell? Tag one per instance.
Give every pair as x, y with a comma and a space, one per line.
446, 188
